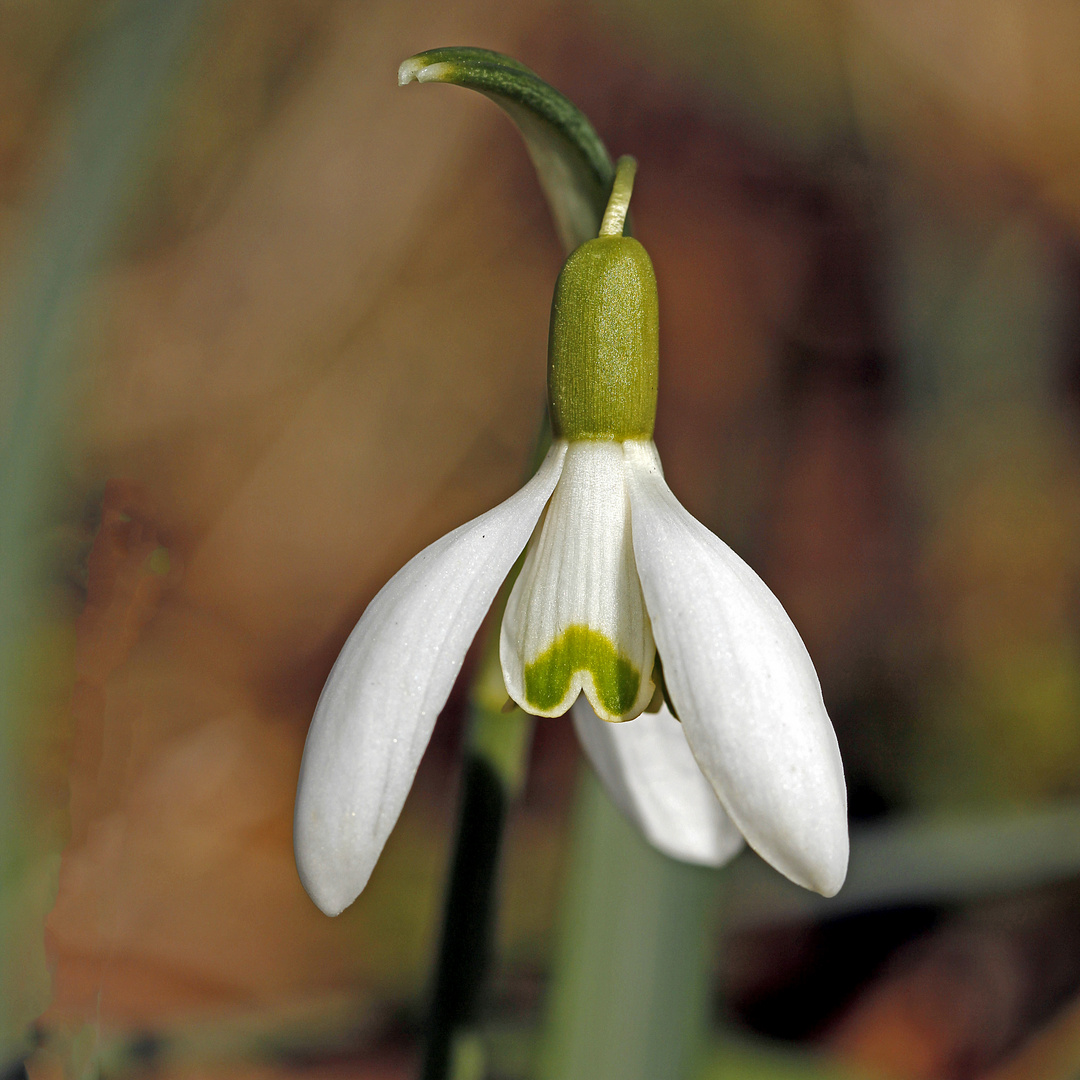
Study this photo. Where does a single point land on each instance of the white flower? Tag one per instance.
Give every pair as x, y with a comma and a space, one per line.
616, 571
617, 559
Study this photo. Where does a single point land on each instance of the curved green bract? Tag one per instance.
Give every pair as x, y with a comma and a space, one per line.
573, 165
580, 648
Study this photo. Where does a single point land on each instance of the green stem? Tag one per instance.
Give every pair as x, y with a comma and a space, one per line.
629, 979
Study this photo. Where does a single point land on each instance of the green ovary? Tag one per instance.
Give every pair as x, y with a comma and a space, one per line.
579, 648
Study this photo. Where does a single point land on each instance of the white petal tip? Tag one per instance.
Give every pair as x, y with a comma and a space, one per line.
328, 907
825, 875
330, 894
651, 776
827, 887
712, 856
831, 883
334, 869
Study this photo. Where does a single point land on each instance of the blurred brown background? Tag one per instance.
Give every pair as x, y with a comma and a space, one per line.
315, 341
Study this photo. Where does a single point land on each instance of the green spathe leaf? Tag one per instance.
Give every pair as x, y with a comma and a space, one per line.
573, 165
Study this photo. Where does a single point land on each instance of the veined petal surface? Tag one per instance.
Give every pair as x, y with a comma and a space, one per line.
377, 709
652, 777
743, 685
575, 620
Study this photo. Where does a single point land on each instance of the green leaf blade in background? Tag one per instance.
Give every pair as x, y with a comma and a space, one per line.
126, 70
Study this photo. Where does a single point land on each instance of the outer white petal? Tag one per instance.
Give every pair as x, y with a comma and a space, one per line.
743, 685
393, 676
652, 777
579, 573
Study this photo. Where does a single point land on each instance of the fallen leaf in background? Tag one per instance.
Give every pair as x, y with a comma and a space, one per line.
962, 999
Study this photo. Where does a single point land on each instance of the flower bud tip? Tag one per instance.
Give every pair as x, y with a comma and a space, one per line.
415, 69
408, 70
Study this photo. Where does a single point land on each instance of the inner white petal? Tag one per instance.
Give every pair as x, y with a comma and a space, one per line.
652, 777
576, 620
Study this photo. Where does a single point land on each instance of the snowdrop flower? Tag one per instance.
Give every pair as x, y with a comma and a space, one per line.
617, 575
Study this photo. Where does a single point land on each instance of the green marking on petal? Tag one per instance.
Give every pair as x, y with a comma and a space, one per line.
580, 648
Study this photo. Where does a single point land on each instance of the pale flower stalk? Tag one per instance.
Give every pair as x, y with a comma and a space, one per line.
617, 574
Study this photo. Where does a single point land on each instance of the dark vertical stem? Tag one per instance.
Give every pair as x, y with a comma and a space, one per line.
496, 757
468, 923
